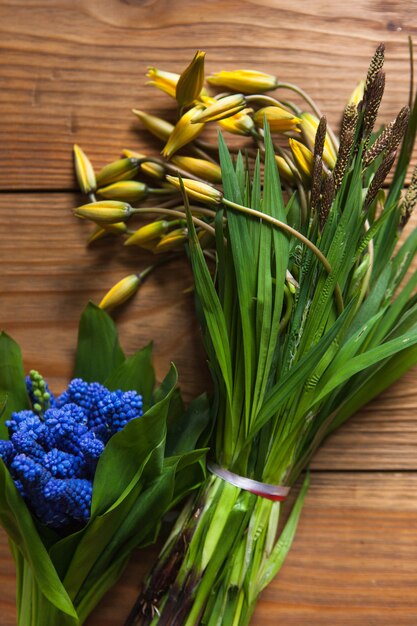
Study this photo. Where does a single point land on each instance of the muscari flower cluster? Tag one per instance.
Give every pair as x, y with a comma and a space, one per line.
53, 449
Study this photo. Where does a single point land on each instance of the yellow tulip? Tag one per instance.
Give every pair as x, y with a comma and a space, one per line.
156, 125
220, 109
310, 125
154, 170
284, 169
247, 81
84, 170
105, 212
183, 133
197, 190
147, 233
171, 241
120, 292
239, 124
107, 229
303, 158
191, 81
280, 120
127, 190
199, 167
166, 81
122, 169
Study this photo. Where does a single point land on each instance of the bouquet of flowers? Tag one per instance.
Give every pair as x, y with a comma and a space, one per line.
300, 290
87, 476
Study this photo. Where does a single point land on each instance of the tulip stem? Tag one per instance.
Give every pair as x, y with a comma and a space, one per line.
292, 231
296, 89
176, 213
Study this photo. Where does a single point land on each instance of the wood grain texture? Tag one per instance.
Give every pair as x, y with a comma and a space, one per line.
70, 71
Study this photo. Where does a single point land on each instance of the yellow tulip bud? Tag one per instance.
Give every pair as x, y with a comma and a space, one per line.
197, 190
199, 167
280, 120
122, 169
239, 124
247, 81
148, 233
310, 125
156, 125
126, 190
105, 212
166, 81
84, 170
357, 94
150, 169
284, 169
220, 109
183, 133
122, 291
303, 158
107, 229
172, 241
191, 81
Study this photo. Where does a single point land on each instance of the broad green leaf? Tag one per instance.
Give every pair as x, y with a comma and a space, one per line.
128, 451
18, 523
185, 431
12, 381
98, 349
135, 373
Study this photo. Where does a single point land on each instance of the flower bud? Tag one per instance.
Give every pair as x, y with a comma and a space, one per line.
199, 167
303, 159
310, 125
172, 241
166, 81
191, 81
183, 133
197, 190
284, 169
247, 81
122, 169
357, 94
84, 170
105, 212
156, 125
154, 170
239, 124
122, 291
148, 233
280, 120
126, 190
105, 230
220, 109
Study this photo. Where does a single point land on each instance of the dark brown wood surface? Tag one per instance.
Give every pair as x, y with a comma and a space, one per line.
70, 71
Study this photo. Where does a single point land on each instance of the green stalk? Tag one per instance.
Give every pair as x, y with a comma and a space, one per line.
228, 559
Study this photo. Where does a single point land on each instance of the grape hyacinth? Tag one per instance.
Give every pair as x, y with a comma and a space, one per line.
53, 449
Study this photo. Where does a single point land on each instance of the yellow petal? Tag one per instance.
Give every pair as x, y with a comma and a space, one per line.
247, 81
122, 291
84, 170
156, 125
183, 133
191, 81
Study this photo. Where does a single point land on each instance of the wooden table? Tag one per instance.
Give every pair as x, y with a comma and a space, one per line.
70, 72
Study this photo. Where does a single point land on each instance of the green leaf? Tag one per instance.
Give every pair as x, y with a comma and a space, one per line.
18, 523
135, 373
128, 451
98, 349
187, 428
278, 555
12, 381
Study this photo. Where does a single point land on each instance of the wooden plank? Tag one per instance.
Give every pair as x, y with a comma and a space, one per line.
71, 72
353, 562
48, 275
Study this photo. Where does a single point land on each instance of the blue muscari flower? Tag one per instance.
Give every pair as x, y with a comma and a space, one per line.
52, 454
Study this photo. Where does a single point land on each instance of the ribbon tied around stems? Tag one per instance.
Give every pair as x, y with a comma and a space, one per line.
276, 493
